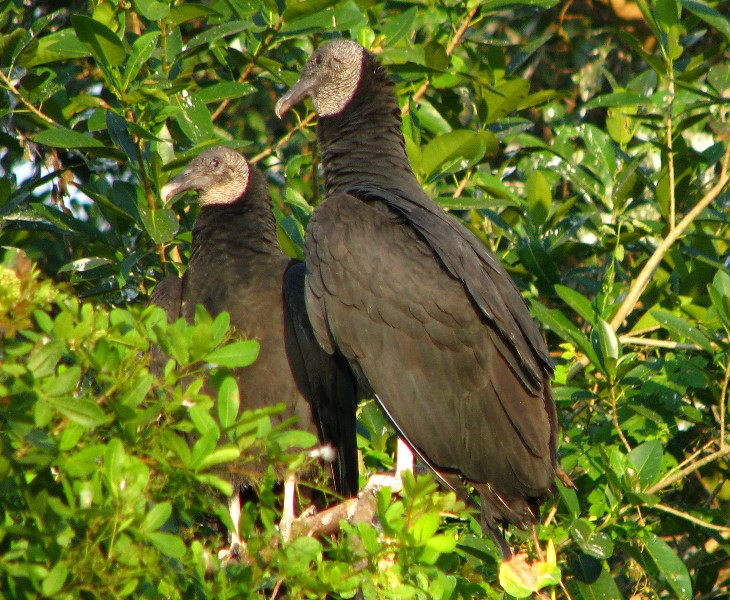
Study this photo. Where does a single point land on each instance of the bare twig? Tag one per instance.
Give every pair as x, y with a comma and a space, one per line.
677, 475
642, 280
723, 400
670, 149
648, 342
462, 184
284, 140
449, 51
249, 68
690, 518
614, 417
24, 101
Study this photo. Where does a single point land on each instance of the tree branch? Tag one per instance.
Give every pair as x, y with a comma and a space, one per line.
647, 272
271, 149
690, 518
682, 473
449, 51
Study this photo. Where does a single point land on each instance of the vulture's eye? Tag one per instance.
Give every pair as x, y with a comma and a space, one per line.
318, 59
214, 163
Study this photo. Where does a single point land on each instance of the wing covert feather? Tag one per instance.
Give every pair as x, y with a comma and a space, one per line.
441, 370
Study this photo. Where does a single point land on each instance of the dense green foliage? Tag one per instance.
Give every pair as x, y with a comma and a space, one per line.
589, 152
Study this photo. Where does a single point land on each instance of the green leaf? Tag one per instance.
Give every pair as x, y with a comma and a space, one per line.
683, 328
135, 393
43, 360
709, 15
65, 381
667, 13
578, 302
593, 580
206, 425
55, 579
81, 411
425, 527
400, 26
193, 117
106, 47
117, 128
617, 100
720, 296
59, 45
168, 544
539, 197
114, 457
570, 498
236, 354
152, 9
142, 49
592, 542
456, 150
562, 326
608, 346
228, 402
647, 461
297, 9
223, 486
225, 454
492, 5
670, 566
223, 91
66, 138
293, 438
157, 516
161, 224
213, 34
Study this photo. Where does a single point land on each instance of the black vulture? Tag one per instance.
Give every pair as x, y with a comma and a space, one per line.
426, 315
236, 265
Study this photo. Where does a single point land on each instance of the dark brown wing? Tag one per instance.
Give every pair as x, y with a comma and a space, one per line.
168, 296
489, 286
442, 371
332, 386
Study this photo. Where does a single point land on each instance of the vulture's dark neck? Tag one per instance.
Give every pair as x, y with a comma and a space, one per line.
363, 147
247, 224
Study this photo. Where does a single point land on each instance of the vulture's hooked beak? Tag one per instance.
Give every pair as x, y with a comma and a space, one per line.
185, 181
294, 96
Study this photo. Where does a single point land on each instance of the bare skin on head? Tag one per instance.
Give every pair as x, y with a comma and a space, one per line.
329, 78
219, 175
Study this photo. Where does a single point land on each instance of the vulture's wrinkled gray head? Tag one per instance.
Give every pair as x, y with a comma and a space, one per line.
329, 78
219, 175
